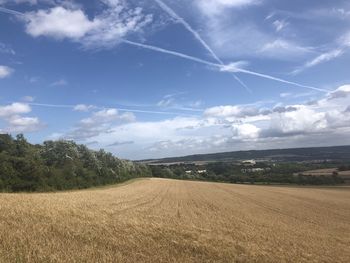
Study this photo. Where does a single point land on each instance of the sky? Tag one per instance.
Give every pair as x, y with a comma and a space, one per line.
158, 78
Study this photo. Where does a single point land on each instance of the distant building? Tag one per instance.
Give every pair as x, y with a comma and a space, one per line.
249, 162
202, 171
188, 172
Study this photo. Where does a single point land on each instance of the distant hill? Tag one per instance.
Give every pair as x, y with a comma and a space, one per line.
333, 153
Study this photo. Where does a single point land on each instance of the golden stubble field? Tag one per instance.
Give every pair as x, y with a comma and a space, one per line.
155, 220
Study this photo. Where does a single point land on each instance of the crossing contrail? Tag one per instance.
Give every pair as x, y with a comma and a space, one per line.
223, 68
197, 36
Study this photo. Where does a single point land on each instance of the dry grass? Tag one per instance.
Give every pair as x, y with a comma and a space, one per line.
158, 220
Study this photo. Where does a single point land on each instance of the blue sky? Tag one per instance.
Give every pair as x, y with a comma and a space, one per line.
146, 79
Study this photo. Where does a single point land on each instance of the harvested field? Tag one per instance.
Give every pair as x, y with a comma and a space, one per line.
156, 220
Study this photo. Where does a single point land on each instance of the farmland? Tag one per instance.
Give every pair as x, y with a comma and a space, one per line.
161, 220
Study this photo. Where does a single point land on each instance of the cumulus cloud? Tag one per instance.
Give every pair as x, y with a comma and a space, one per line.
59, 23
5, 71
222, 128
287, 120
340, 93
244, 111
98, 123
83, 107
245, 131
235, 111
14, 109
102, 31
13, 116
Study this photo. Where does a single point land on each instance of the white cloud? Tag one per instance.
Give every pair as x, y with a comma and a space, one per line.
14, 109
282, 48
245, 131
233, 36
12, 115
280, 25
5, 71
325, 57
340, 93
343, 44
103, 31
23, 124
222, 128
99, 122
215, 7
59, 23
83, 107
28, 98
6, 49
177, 102
231, 111
61, 82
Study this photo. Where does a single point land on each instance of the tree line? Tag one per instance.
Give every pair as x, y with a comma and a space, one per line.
60, 165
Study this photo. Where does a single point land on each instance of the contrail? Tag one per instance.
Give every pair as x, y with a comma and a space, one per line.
49, 105
174, 15
274, 78
101, 108
170, 52
10, 11
223, 68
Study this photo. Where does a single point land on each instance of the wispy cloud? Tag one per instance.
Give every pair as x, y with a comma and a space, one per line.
6, 49
28, 98
5, 71
175, 102
280, 25
120, 143
60, 82
322, 58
